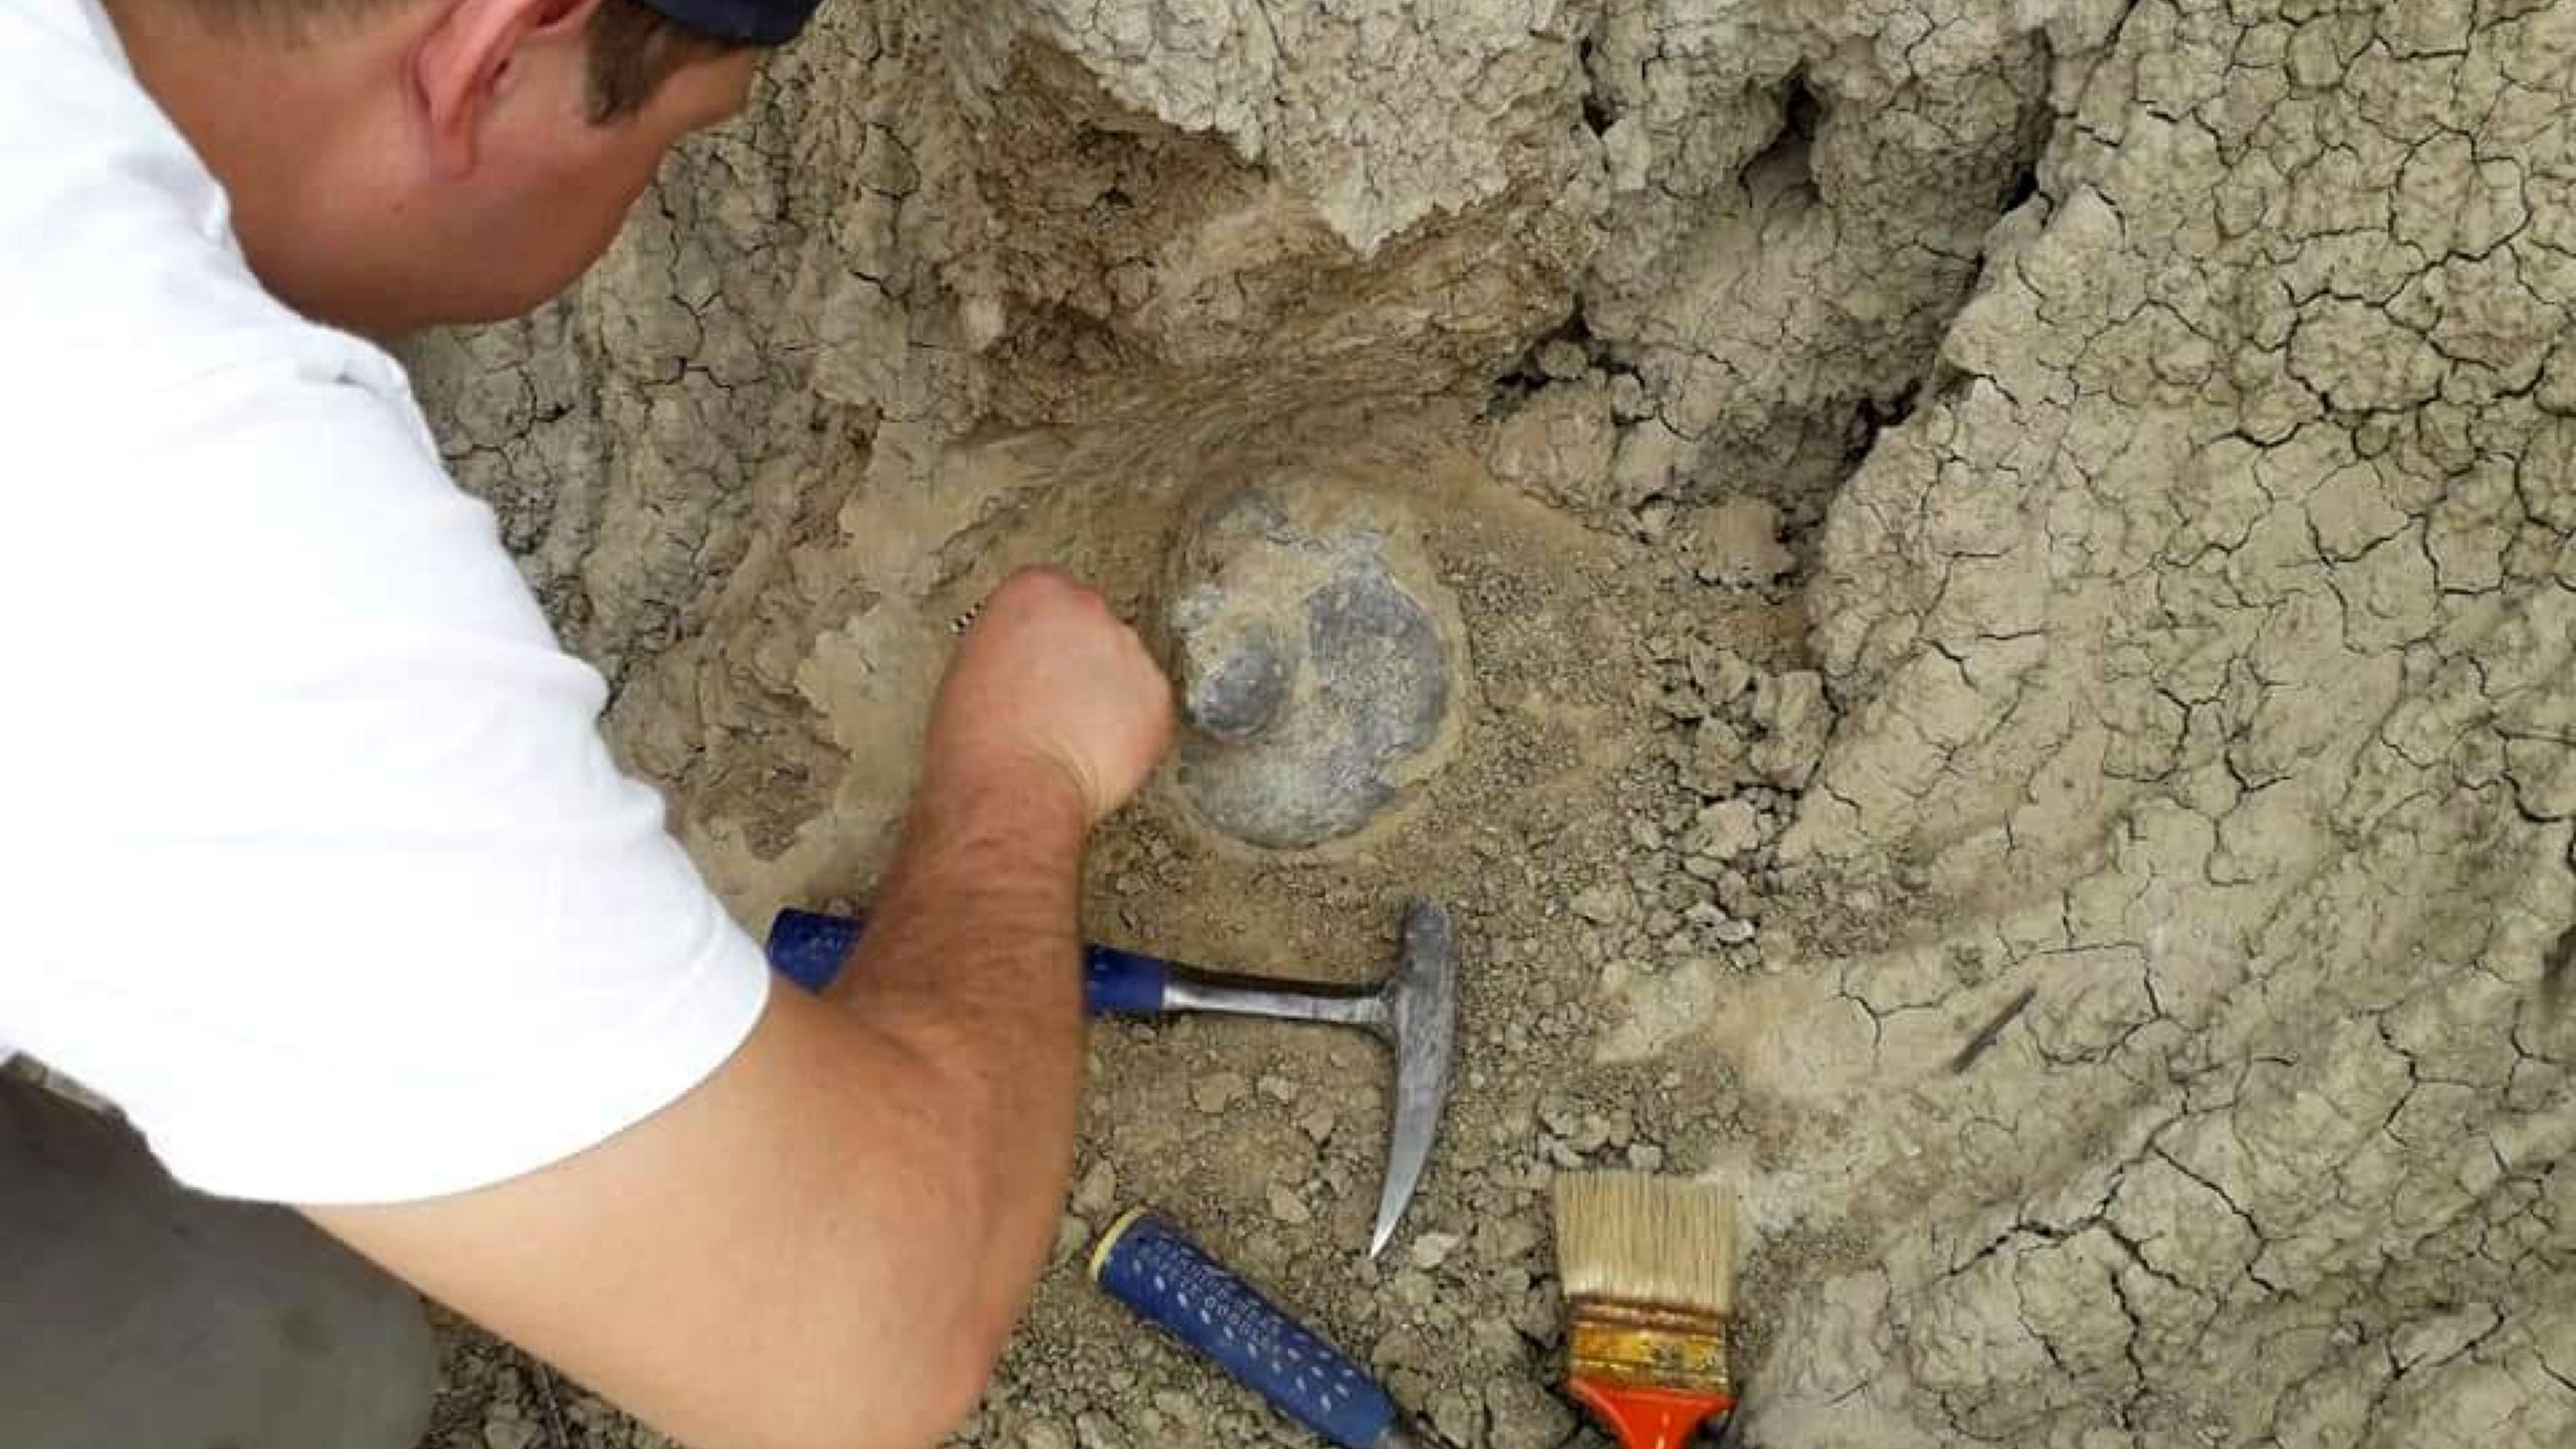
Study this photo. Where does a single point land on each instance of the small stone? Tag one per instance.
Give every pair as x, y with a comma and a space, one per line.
1277, 1088
1605, 904
1407, 1386
1097, 1430
1180, 1408
1685, 705
1071, 1234
1628, 400
1539, 1315
1433, 1249
1316, 1122
1733, 932
1457, 1418
1217, 1091
1560, 1114
1526, 1416
1564, 360
1288, 1207
1735, 892
1493, 1340
1717, 758
1097, 1192
1740, 544
501, 1433
1645, 1156
1721, 674
1792, 708
1404, 1348
1508, 1240
1727, 829
1044, 1434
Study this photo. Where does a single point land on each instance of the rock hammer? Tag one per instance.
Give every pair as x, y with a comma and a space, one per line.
1413, 1009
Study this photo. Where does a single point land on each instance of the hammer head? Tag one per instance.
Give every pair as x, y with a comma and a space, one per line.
1421, 999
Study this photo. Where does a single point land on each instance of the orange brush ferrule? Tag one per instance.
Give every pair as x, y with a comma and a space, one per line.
1652, 1375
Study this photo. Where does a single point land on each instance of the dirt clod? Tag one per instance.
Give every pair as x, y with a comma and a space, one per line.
1217, 1091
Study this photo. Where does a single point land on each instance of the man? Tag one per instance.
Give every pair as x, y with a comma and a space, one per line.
320, 871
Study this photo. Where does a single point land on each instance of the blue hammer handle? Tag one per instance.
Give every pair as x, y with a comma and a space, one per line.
1172, 1283
808, 947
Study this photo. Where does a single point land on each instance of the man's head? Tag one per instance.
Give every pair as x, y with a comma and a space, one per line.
395, 164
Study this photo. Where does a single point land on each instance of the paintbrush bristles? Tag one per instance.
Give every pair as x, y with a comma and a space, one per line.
1636, 1237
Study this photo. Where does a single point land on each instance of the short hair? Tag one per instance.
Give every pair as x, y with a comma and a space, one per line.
633, 50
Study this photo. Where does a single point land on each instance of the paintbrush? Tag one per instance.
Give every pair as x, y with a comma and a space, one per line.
1649, 1270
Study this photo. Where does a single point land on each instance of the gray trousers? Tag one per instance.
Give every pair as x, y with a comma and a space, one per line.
135, 1314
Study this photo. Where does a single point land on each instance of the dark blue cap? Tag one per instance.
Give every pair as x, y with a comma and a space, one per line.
743, 22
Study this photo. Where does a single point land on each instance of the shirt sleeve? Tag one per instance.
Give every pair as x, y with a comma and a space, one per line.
342, 898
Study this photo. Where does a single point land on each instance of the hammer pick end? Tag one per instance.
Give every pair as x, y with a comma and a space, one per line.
1424, 1005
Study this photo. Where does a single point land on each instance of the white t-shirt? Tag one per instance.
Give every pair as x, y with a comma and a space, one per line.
313, 859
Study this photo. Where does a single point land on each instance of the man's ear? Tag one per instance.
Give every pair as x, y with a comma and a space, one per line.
463, 63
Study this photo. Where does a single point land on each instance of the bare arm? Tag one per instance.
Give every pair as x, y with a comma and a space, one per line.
824, 1245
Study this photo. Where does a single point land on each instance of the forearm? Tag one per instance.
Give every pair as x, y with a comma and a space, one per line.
972, 961
823, 1245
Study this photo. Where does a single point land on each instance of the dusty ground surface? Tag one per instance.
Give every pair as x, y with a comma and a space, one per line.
2019, 569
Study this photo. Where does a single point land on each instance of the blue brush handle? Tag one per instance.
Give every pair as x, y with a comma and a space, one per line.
808, 947
1172, 1283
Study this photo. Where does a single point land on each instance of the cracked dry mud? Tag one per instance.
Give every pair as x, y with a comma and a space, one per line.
2019, 567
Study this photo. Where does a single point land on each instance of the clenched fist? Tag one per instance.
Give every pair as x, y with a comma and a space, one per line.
1048, 678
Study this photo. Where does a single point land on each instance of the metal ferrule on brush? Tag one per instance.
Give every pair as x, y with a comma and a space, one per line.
1643, 1345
